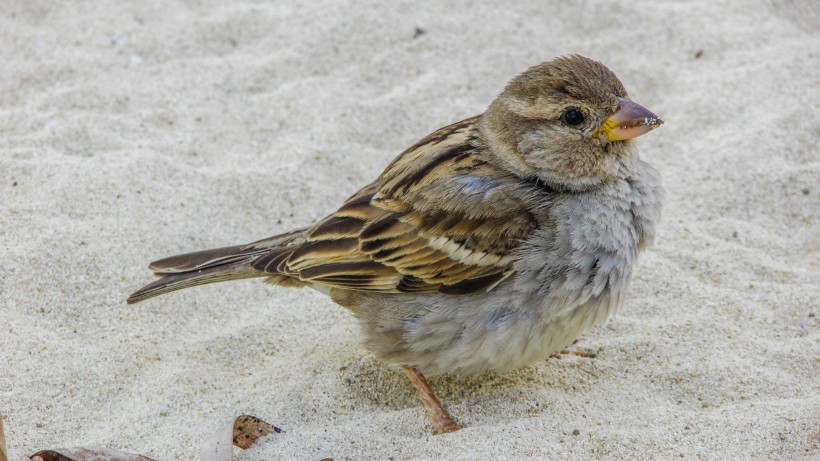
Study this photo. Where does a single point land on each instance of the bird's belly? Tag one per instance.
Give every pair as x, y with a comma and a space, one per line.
470, 338
514, 344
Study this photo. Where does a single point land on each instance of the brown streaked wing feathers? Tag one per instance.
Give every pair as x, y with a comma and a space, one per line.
437, 219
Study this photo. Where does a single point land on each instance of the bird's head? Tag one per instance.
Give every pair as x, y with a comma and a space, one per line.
567, 122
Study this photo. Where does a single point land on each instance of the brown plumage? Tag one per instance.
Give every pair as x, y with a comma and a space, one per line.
489, 244
417, 228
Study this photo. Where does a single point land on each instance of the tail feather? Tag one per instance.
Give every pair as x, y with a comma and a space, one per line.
216, 265
200, 259
178, 281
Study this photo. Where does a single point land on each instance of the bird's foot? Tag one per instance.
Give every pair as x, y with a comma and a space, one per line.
582, 353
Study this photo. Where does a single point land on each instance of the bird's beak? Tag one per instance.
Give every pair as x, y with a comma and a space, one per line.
630, 121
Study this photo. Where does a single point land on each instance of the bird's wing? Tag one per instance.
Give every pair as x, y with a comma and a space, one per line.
438, 219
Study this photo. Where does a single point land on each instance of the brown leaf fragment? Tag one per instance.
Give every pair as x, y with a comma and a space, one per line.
93, 453
243, 432
4, 455
248, 429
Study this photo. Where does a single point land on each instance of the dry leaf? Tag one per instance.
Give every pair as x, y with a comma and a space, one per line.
4, 455
248, 429
95, 453
243, 432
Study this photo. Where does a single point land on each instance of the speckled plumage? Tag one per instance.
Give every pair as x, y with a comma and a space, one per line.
489, 244
570, 274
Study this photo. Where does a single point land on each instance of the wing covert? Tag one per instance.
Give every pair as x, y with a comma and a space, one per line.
439, 218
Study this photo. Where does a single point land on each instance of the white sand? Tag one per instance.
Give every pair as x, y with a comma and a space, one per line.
129, 133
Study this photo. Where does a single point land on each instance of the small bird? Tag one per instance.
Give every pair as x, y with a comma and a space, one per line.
490, 244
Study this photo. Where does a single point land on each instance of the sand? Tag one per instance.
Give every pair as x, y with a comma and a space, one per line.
130, 132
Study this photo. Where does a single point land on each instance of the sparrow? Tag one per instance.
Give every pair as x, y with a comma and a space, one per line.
488, 245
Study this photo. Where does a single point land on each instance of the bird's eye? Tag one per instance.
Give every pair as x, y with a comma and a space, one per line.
573, 117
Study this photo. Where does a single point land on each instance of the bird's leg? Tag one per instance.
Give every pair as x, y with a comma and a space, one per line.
441, 419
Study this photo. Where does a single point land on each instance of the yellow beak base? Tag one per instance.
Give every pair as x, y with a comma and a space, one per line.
630, 121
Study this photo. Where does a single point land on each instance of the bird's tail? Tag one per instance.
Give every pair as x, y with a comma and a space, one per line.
211, 266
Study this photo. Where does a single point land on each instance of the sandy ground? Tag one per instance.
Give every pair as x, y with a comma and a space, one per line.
131, 132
